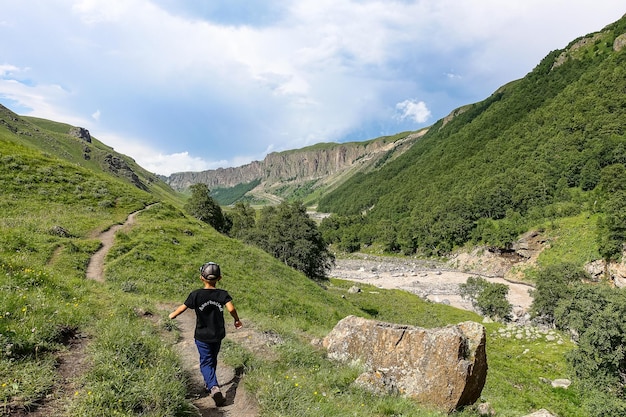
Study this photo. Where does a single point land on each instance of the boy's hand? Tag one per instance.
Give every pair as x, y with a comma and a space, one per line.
238, 324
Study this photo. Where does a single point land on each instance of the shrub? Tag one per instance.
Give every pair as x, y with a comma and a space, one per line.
554, 282
487, 297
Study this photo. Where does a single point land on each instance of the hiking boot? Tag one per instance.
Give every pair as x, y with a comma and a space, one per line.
217, 396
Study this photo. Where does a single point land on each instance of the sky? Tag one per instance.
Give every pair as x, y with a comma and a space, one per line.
191, 85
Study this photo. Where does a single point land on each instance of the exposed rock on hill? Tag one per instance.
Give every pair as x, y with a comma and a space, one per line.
445, 368
80, 133
323, 162
117, 165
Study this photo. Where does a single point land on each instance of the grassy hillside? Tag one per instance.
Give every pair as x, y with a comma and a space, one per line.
53, 139
535, 150
53, 207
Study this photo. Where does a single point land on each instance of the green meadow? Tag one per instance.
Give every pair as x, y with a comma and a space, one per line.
129, 366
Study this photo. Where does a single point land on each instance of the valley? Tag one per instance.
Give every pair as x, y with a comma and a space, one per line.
431, 280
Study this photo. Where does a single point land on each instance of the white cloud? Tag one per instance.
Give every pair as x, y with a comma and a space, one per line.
96, 11
179, 85
42, 101
6, 70
176, 162
153, 159
413, 110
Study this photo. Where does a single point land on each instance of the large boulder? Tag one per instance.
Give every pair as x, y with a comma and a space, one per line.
444, 367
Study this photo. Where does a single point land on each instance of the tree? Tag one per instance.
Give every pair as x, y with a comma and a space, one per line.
243, 219
612, 227
487, 297
202, 206
290, 235
590, 175
597, 314
554, 283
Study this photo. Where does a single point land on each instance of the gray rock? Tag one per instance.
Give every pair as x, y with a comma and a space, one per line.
541, 413
445, 368
561, 383
80, 133
354, 289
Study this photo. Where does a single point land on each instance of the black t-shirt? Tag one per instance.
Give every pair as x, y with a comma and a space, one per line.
209, 307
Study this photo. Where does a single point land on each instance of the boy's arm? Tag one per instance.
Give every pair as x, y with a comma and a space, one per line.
181, 309
233, 312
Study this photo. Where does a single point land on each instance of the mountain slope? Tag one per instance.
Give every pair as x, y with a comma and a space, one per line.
54, 201
76, 145
535, 145
52, 208
301, 173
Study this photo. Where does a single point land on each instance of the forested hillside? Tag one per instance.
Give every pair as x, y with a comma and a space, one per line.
549, 145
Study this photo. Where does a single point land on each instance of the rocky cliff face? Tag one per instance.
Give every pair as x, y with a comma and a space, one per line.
315, 162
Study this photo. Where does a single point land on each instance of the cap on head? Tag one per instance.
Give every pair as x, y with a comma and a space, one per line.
210, 270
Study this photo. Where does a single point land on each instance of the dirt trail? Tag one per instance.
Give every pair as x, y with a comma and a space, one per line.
238, 402
95, 268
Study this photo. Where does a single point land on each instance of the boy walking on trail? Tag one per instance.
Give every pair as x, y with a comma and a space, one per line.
209, 303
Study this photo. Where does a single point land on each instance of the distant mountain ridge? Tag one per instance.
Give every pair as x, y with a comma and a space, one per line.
325, 164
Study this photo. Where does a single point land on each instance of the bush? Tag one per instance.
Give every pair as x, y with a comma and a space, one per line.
554, 282
487, 297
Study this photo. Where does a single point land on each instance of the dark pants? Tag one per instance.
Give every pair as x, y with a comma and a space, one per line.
208, 361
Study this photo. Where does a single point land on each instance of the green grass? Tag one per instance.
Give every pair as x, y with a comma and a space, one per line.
133, 369
515, 368
37, 311
572, 240
303, 382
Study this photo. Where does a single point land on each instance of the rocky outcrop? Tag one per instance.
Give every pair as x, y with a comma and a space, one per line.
615, 272
619, 43
530, 245
445, 368
80, 133
454, 113
570, 52
315, 162
118, 166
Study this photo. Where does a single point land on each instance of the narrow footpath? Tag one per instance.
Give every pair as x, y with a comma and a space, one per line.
238, 402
